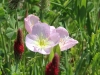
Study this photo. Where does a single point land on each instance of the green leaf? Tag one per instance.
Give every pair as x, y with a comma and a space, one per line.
12, 21
30, 54
88, 25
92, 39
57, 4
2, 13
89, 6
82, 13
1, 52
83, 3
10, 32
95, 63
51, 55
33, 1
57, 49
66, 2
82, 10
0, 72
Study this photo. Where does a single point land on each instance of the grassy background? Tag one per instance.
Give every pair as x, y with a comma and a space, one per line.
80, 17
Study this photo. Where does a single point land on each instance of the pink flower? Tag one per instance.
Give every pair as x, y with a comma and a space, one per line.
66, 41
30, 21
41, 40
53, 67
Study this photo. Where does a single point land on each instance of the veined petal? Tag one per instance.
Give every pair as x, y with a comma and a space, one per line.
62, 32
67, 43
41, 29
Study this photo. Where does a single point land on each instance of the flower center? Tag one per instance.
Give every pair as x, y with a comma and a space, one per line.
63, 40
42, 42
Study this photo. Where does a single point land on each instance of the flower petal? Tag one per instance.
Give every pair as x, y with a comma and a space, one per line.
44, 51
27, 26
70, 42
41, 29
30, 42
30, 21
55, 38
33, 19
52, 30
62, 32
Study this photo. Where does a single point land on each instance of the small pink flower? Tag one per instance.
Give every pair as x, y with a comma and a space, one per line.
53, 67
30, 21
66, 41
41, 40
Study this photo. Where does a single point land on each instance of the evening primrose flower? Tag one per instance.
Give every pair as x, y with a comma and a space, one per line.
41, 40
30, 21
66, 41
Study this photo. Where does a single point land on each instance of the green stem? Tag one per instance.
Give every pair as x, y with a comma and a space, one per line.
3, 1
43, 64
4, 46
42, 7
24, 63
41, 15
54, 19
16, 67
16, 15
66, 62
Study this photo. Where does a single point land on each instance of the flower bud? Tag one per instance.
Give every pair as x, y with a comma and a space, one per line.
18, 45
52, 68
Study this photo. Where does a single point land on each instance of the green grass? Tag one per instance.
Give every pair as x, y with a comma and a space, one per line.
80, 17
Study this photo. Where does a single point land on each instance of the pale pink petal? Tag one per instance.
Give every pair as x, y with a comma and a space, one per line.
55, 38
30, 21
27, 26
30, 47
65, 41
52, 30
30, 42
44, 51
69, 43
33, 19
41, 29
62, 32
